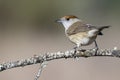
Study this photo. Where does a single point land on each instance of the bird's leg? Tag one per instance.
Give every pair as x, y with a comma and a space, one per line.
78, 47
75, 48
96, 47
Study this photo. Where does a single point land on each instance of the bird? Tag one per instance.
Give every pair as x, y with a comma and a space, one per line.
80, 33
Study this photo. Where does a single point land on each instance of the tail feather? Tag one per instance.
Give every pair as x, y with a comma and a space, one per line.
100, 33
101, 28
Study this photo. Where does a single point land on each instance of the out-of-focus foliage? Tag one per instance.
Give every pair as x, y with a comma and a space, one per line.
27, 28
42, 12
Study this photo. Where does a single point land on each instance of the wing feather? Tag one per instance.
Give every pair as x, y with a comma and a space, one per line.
78, 27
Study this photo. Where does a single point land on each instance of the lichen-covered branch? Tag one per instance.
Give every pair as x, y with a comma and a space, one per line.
43, 65
59, 55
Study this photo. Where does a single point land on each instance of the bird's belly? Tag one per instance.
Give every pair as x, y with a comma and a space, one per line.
81, 39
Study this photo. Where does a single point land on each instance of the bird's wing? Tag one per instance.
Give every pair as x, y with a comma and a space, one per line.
79, 27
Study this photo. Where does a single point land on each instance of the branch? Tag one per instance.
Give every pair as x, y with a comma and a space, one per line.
59, 55
43, 65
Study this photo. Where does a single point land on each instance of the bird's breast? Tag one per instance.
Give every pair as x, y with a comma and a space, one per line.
82, 38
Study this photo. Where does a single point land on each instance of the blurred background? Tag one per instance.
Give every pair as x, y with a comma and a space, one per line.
27, 28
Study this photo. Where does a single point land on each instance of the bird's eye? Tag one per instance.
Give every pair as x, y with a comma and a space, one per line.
68, 19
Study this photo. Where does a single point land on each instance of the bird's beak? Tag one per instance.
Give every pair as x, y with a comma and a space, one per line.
58, 20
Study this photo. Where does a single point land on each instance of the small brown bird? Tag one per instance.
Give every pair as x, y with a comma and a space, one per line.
80, 33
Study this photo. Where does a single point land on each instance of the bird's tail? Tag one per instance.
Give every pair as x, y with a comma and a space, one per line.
101, 28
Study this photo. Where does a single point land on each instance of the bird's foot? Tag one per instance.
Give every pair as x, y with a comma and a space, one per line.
96, 50
75, 49
78, 49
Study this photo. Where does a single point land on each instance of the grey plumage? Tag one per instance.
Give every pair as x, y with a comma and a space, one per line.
81, 27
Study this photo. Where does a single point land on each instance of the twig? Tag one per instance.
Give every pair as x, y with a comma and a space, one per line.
59, 55
43, 65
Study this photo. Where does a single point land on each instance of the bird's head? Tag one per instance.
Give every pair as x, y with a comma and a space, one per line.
67, 21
